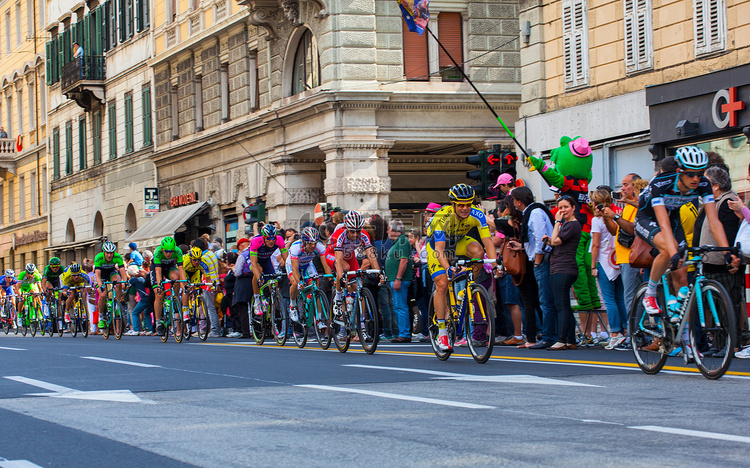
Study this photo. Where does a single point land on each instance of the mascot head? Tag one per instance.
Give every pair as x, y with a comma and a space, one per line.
573, 158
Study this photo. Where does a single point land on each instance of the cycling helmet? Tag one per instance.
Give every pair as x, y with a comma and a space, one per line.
168, 243
109, 247
10, 273
269, 231
461, 193
691, 158
310, 234
54, 261
195, 253
30, 268
75, 269
354, 221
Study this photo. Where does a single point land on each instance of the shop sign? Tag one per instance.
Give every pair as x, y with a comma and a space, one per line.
151, 201
184, 199
36, 236
725, 108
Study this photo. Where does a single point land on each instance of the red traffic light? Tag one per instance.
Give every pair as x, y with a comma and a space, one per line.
493, 159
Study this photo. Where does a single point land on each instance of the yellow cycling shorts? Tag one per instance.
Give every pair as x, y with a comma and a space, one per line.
433, 264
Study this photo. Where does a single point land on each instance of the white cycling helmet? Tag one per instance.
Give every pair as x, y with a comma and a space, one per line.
353, 221
109, 247
10, 273
30, 268
691, 158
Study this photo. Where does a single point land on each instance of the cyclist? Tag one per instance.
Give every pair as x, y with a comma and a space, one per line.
259, 253
108, 266
341, 253
199, 264
70, 278
51, 278
166, 265
7, 290
28, 282
448, 235
300, 260
658, 219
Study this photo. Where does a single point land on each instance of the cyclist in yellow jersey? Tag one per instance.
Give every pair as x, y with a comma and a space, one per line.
194, 270
74, 277
448, 237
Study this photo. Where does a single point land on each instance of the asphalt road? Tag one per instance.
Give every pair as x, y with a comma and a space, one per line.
141, 402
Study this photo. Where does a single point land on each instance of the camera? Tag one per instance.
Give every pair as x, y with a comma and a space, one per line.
600, 207
616, 195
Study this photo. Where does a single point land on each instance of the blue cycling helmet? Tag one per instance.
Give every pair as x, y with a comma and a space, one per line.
691, 158
269, 231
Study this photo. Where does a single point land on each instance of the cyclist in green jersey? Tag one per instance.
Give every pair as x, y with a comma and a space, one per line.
108, 266
167, 264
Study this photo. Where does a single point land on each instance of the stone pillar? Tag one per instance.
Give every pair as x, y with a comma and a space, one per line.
294, 188
357, 175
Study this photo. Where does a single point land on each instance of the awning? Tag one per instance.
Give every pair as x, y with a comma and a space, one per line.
74, 245
164, 223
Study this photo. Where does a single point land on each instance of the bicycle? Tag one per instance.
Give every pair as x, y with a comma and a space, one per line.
171, 315
312, 307
469, 318
79, 317
112, 315
361, 315
712, 335
8, 319
31, 313
55, 308
197, 310
273, 316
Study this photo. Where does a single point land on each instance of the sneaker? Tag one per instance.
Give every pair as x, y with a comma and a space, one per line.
101, 324
293, 314
598, 340
67, 317
322, 326
234, 335
624, 346
462, 343
615, 341
424, 338
160, 330
650, 305
512, 341
341, 335
743, 354
132, 333
256, 309
479, 343
216, 335
443, 343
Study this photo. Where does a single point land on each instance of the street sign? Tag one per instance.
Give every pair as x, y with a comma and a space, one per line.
150, 201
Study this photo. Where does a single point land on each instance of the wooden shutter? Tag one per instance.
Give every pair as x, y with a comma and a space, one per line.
709, 25
48, 62
575, 42
146, 106
415, 55
139, 15
129, 123
56, 153
638, 35
449, 34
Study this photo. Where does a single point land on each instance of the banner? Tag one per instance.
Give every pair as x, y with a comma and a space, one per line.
416, 15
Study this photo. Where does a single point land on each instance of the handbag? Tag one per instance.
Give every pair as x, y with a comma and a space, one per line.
514, 261
640, 254
624, 239
743, 238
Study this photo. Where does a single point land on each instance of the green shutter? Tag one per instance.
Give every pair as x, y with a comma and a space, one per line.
112, 119
97, 31
96, 130
56, 153
123, 30
105, 25
146, 105
82, 143
138, 15
48, 62
129, 123
69, 148
87, 44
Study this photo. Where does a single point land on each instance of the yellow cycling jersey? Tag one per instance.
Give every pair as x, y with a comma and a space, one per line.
67, 279
445, 226
192, 272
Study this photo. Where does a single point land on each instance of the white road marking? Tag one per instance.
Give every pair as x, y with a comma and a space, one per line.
395, 396
17, 464
517, 379
13, 349
691, 433
116, 361
58, 391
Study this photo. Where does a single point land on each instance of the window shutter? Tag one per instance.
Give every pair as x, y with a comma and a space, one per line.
139, 15
123, 30
709, 26
105, 25
699, 24
567, 19
129, 20
48, 62
575, 43
129, 123
415, 55
631, 38
146, 106
449, 33
56, 153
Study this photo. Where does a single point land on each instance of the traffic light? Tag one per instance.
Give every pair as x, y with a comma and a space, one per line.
509, 163
493, 171
480, 173
255, 212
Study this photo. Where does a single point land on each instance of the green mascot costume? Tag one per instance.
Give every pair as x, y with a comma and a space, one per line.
571, 174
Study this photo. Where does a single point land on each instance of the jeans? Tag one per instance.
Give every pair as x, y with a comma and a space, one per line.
631, 279
209, 297
530, 296
546, 302
401, 308
561, 284
614, 299
423, 301
144, 305
385, 304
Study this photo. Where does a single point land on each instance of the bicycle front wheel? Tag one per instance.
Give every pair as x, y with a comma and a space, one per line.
366, 320
177, 326
299, 328
257, 324
204, 324
434, 330
279, 320
713, 339
34, 320
321, 319
118, 320
479, 324
647, 333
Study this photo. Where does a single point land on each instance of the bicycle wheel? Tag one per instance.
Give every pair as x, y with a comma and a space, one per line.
187, 325
321, 319
75, 317
118, 320
647, 333
6, 320
257, 323
83, 318
279, 320
202, 319
177, 326
366, 320
433, 328
60, 323
24, 320
479, 324
299, 328
34, 320
713, 342
14, 319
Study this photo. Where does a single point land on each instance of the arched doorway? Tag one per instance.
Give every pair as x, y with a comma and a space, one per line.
98, 225
70, 232
131, 223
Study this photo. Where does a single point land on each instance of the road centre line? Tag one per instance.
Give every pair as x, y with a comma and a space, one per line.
117, 361
396, 396
692, 433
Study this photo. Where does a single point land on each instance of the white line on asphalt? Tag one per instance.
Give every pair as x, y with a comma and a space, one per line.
691, 433
12, 349
58, 391
38, 383
17, 464
116, 361
395, 396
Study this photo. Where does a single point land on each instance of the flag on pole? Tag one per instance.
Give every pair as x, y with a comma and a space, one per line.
416, 15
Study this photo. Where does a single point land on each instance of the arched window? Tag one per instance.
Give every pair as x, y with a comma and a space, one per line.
98, 225
131, 224
306, 73
70, 232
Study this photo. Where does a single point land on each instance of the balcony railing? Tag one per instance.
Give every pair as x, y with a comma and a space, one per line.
92, 68
7, 147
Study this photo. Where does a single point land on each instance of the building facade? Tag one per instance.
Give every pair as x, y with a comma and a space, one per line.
100, 140
23, 158
638, 79
296, 102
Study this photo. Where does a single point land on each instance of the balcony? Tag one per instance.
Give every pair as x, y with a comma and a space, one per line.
82, 80
7, 155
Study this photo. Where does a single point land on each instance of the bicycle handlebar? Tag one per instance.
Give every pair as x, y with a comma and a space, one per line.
362, 272
710, 248
472, 261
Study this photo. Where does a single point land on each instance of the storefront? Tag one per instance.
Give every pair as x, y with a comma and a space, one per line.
24, 245
710, 111
185, 218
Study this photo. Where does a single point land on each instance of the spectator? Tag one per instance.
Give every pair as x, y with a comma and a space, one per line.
337, 217
143, 307
420, 281
243, 288
234, 324
382, 243
564, 269
398, 272
3, 134
535, 287
135, 256
506, 291
77, 51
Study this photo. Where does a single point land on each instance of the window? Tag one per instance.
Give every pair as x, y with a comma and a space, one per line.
175, 110
42, 12
32, 106
34, 194
129, 20
710, 26
129, 123
306, 74
112, 119
19, 108
42, 102
82, 143
198, 97
96, 132
253, 79
638, 35
45, 189
122, 7
11, 201
224, 81
451, 36
18, 24
575, 43
30, 17
22, 197
56, 153
52, 70
415, 55
9, 114
2, 204
148, 139
171, 6
141, 13
69, 148
7, 32
112, 23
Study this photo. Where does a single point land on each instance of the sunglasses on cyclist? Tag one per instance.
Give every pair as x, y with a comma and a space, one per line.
693, 174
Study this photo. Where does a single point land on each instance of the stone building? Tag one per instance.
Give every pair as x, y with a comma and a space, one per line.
296, 102
638, 79
23, 156
100, 138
